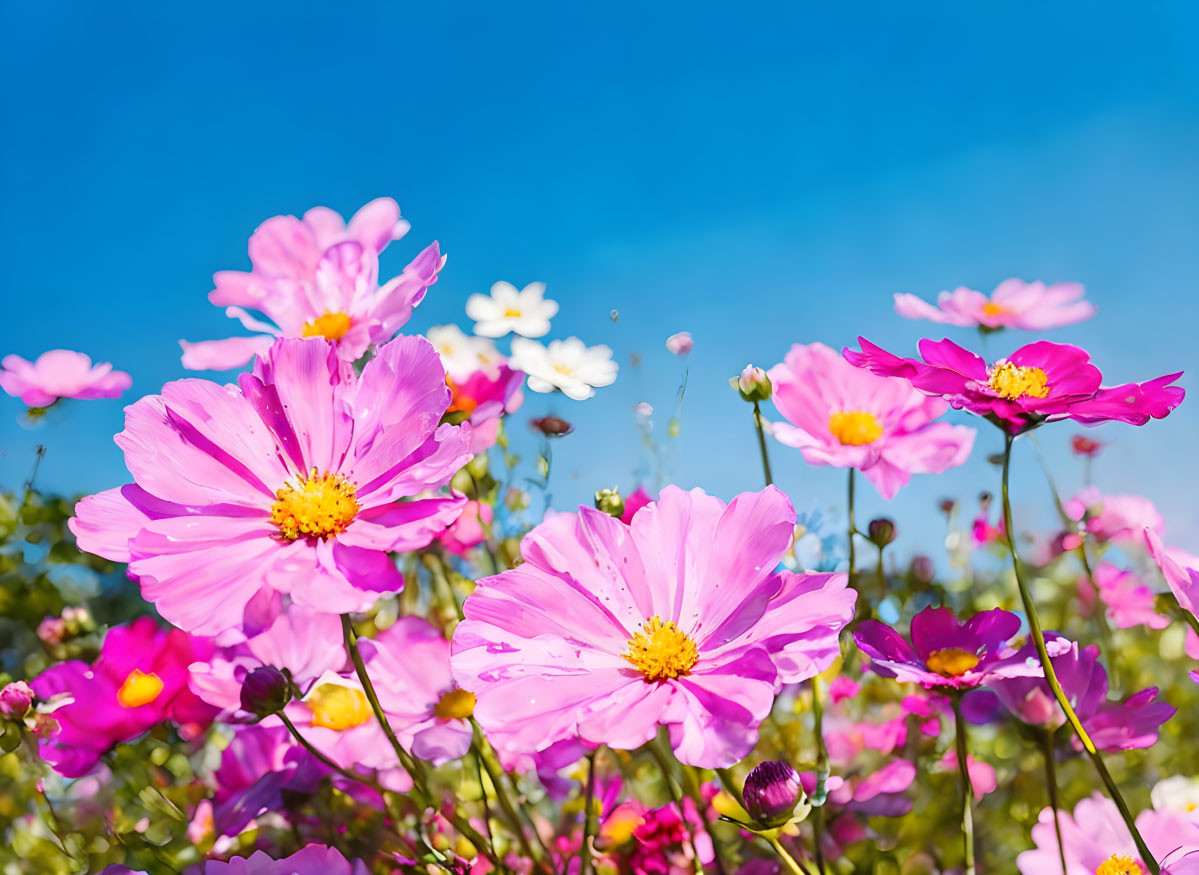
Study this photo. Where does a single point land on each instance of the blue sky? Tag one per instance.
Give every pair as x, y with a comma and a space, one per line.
759, 175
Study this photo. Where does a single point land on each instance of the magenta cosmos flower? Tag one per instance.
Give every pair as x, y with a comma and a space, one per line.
1014, 304
947, 653
679, 619
1119, 725
296, 482
1097, 842
60, 373
847, 417
313, 860
318, 276
1039, 382
138, 681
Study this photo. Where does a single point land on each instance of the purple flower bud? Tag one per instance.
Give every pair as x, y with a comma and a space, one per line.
881, 531
15, 700
772, 791
265, 691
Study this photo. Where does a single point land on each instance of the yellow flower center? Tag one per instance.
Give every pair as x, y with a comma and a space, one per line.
318, 506
1118, 864
331, 326
563, 369
661, 650
854, 428
512, 313
459, 403
336, 707
1015, 381
455, 705
992, 309
951, 661
140, 688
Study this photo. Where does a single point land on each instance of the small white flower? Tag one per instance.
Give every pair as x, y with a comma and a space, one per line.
643, 409
567, 365
506, 310
461, 354
1177, 793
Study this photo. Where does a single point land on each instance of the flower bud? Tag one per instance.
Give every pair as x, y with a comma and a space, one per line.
753, 384
610, 502
552, 426
881, 532
265, 691
680, 344
947, 506
15, 700
922, 569
772, 790
1084, 446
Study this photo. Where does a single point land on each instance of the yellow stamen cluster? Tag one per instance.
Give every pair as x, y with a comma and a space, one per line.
1015, 381
661, 651
140, 688
1119, 864
512, 313
854, 428
455, 705
331, 326
992, 309
951, 661
317, 506
336, 707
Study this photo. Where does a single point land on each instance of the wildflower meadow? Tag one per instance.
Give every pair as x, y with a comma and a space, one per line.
335, 627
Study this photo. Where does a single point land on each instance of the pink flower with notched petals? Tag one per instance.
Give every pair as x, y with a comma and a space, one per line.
947, 653
298, 481
1181, 571
60, 373
1114, 517
313, 860
847, 417
139, 680
1039, 382
679, 619
1014, 304
1113, 725
318, 276
1127, 601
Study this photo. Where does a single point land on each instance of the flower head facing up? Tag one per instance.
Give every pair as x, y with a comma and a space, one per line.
677, 618
299, 480
947, 653
1039, 382
840, 415
318, 276
507, 311
568, 366
1014, 304
60, 373
140, 679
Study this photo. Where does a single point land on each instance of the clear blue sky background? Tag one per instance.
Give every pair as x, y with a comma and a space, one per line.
758, 175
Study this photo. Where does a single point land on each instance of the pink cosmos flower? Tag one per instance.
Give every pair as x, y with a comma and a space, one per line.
139, 680
679, 619
305, 643
60, 373
1112, 725
847, 417
410, 667
260, 762
1039, 382
1114, 517
318, 276
1014, 304
637, 500
313, 860
468, 530
681, 343
298, 481
1127, 601
481, 398
1095, 835
1181, 571
947, 653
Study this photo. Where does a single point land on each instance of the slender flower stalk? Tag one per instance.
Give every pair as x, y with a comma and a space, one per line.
853, 529
588, 817
516, 813
959, 737
1051, 786
790, 862
759, 425
821, 772
1038, 636
676, 796
308, 746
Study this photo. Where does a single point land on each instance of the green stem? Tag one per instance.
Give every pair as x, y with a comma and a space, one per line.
821, 773
730, 786
308, 746
1051, 785
959, 732
441, 581
762, 443
677, 797
1063, 701
588, 817
516, 814
853, 529
792, 866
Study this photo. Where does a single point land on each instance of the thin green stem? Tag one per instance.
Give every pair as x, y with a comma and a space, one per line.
1063, 701
1050, 756
790, 862
516, 814
758, 424
959, 733
441, 581
588, 817
676, 796
853, 529
308, 746
821, 773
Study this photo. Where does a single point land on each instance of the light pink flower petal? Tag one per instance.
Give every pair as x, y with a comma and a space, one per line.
377, 224
223, 355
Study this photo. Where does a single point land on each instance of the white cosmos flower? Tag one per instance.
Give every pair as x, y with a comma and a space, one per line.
506, 310
567, 365
1177, 793
462, 354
